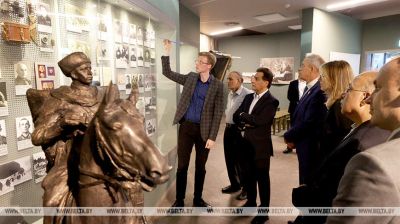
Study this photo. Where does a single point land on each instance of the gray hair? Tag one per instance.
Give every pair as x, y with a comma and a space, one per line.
315, 60
239, 74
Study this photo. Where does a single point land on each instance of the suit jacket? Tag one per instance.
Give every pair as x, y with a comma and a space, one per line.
293, 95
257, 125
324, 186
371, 179
336, 127
309, 117
213, 107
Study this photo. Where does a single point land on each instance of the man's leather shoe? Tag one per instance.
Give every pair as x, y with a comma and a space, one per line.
178, 203
242, 195
286, 151
229, 189
200, 203
259, 220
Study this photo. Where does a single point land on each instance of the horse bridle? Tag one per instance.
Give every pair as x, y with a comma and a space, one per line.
102, 178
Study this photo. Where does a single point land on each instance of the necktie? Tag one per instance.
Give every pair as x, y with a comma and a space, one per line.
304, 92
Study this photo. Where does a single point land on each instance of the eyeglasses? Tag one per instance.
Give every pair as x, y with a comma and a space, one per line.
200, 62
350, 88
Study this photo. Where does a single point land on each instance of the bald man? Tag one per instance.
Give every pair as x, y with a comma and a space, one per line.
363, 136
371, 177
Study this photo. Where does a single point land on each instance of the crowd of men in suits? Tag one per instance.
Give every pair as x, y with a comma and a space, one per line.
359, 169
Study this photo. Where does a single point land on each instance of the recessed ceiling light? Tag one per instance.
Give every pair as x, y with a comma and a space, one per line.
270, 18
226, 31
350, 4
295, 27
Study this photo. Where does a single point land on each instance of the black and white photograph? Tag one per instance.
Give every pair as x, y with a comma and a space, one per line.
75, 19
6, 181
79, 45
150, 104
43, 18
132, 34
147, 57
150, 82
132, 57
3, 99
23, 82
14, 173
282, 68
24, 126
125, 33
39, 166
129, 81
121, 81
3, 138
117, 31
24, 173
139, 54
102, 51
103, 30
121, 55
45, 42
150, 127
139, 35
141, 105
138, 79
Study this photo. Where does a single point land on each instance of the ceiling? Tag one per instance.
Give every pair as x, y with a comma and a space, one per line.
214, 14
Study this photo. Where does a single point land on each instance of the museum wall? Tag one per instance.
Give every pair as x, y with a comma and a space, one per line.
124, 43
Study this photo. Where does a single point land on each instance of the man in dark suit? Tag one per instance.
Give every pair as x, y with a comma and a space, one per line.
295, 90
199, 112
363, 136
308, 119
255, 115
371, 178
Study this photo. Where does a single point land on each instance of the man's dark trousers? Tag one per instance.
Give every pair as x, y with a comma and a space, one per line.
189, 135
232, 139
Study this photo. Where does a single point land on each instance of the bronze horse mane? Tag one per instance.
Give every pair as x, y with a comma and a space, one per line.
117, 160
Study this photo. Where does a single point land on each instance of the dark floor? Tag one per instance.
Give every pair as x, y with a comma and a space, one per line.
283, 172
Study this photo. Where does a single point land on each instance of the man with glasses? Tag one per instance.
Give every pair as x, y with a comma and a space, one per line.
199, 112
363, 136
255, 116
371, 178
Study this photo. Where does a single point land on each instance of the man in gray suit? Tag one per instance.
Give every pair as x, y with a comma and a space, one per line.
199, 112
371, 177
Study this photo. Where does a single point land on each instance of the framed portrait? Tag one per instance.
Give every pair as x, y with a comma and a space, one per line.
24, 127
43, 18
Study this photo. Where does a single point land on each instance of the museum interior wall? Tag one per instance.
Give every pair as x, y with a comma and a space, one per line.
347, 35
124, 43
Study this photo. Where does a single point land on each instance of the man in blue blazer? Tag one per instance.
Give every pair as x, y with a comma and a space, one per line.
255, 116
308, 118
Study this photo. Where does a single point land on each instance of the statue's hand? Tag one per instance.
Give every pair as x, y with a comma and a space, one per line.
73, 118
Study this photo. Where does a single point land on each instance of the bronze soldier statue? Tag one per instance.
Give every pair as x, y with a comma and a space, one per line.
89, 163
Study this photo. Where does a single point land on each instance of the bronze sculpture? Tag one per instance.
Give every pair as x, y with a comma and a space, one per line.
97, 151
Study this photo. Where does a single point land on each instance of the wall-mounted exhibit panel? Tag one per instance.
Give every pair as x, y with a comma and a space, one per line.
124, 43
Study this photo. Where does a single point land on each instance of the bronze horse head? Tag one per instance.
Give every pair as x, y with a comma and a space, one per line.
115, 153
